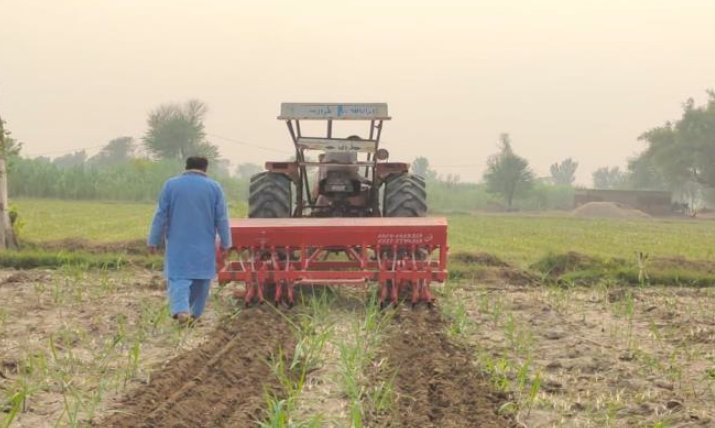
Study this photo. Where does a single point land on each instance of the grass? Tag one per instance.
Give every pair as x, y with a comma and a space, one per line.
518, 239
579, 269
34, 258
523, 240
357, 351
52, 219
312, 332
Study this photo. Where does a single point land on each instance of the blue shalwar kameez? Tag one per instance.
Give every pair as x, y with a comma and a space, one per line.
190, 212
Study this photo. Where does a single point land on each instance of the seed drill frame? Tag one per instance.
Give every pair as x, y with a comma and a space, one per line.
398, 253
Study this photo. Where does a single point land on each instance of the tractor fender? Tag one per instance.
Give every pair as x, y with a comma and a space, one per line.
289, 169
386, 169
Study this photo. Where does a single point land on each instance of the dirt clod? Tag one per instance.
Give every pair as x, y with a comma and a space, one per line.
484, 259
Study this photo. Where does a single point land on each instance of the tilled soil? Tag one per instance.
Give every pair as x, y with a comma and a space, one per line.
607, 356
220, 383
436, 382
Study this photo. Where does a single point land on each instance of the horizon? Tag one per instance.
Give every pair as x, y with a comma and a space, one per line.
563, 79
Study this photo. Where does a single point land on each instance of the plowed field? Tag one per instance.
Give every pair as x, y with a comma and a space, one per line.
436, 380
82, 348
220, 383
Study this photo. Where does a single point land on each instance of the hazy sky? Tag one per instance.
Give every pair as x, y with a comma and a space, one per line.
575, 78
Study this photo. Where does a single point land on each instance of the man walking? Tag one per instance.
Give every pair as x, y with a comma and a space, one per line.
190, 212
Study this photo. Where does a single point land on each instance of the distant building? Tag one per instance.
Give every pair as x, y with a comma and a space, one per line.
653, 202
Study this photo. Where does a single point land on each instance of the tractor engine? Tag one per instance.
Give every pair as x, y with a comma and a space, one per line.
339, 181
342, 192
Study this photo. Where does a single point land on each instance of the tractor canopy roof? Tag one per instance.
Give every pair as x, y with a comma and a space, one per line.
334, 111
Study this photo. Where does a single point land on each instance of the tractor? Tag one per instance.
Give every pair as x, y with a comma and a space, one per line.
344, 185
349, 217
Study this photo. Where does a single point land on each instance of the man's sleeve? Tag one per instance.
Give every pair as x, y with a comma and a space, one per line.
161, 218
222, 226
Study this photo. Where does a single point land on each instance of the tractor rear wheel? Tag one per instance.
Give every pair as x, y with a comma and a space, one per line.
269, 196
405, 196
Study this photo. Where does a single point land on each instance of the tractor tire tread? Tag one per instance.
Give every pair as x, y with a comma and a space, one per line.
405, 196
269, 196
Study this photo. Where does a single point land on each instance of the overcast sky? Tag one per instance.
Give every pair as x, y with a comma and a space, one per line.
576, 78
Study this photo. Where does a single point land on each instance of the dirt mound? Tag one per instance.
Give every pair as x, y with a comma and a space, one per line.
557, 264
436, 383
484, 259
220, 383
607, 210
704, 266
489, 268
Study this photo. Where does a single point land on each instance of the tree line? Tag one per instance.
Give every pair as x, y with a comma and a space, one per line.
124, 169
679, 156
507, 183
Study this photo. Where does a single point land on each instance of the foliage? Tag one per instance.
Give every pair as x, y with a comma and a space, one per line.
643, 174
460, 197
117, 151
177, 131
8, 145
609, 178
247, 170
32, 259
579, 269
420, 166
220, 168
680, 155
16, 221
564, 173
71, 160
545, 197
134, 180
507, 173
451, 180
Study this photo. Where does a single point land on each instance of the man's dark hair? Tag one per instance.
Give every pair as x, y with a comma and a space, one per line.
197, 162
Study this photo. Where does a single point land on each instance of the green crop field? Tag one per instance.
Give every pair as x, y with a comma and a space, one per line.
523, 239
52, 220
519, 239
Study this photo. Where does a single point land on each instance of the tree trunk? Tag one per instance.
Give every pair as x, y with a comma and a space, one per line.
7, 235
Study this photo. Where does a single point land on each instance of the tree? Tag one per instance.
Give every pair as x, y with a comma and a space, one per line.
247, 170
420, 166
177, 131
507, 173
8, 146
450, 180
71, 160
564, 173
643, 174
681, 154
220, 168
117, 151
609, 178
